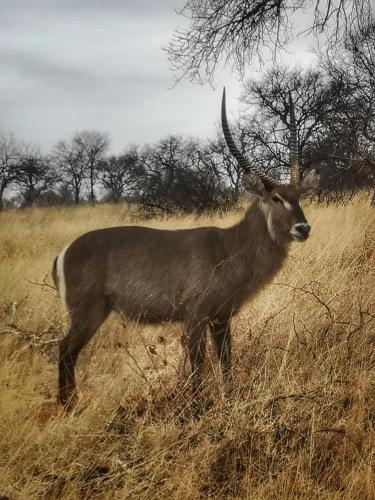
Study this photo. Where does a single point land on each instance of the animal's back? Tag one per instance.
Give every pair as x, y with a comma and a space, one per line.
148, 274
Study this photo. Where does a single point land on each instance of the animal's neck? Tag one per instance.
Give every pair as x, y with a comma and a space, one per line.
255, 255
252, 231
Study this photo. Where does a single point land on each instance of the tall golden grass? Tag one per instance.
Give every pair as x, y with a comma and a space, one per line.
301, 423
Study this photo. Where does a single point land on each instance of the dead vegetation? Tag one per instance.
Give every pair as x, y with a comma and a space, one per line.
301, 423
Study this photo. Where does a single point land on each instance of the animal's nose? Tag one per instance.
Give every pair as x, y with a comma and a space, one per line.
302, 229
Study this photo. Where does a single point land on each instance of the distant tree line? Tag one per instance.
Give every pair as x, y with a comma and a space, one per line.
336, 134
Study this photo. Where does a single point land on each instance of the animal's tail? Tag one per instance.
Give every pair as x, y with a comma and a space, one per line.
54, 274
58, 275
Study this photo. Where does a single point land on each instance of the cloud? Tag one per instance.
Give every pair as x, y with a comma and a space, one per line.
73, 70
90, 64
141, 8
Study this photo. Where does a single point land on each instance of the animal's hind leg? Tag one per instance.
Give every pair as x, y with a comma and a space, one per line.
85, 319
221, 336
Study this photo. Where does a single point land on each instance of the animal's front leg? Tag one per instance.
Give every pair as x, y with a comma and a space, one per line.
196, 347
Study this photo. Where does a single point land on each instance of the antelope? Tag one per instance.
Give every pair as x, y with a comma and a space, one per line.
199, 276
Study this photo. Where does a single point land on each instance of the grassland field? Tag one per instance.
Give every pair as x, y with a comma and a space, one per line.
301, 421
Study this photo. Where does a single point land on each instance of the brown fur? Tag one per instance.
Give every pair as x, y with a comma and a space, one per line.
198, 276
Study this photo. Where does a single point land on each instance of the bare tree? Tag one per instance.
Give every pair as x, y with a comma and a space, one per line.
172, 177
355, 56
348, 137
118, 174
71, 166
239, 30
92, 146
10, 152
267, 132
35, 175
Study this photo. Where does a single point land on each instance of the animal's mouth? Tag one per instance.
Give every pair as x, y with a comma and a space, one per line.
299, 236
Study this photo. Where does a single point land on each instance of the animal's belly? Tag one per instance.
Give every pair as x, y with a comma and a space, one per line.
149, 308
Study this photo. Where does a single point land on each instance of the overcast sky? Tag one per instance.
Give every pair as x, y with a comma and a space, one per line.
68, 65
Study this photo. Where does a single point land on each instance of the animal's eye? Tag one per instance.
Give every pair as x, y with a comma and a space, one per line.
276, 199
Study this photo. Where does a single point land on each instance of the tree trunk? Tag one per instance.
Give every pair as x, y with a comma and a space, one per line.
76, 195
2, 189
92, 194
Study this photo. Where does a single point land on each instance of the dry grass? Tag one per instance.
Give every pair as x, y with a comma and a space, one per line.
300, 425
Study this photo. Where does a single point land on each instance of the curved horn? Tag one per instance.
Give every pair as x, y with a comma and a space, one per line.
268, 182
293, 146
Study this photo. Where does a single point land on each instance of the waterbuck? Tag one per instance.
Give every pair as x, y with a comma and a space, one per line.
198, 276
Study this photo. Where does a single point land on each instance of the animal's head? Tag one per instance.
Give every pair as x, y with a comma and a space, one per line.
279, 202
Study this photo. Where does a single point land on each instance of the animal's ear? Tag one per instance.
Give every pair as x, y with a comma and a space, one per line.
253, 184
310, 181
